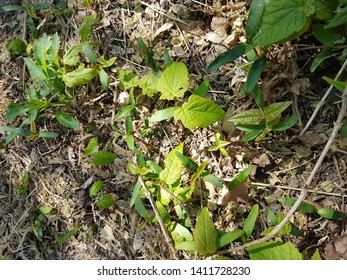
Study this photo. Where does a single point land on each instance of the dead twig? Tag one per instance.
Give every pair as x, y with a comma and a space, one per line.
160, 220
305, 188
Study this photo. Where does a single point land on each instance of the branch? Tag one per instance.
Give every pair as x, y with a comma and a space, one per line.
305, 188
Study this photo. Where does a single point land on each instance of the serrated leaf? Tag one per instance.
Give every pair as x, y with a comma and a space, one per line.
226, 57
173, 166
285, 124
272, 250
163, 114
103, 158
250, 221
273, 111
80, 76
106, 201
229, 237
252, 117
331, 214
67, 120
34, 70
149, 83
282, 19
205, 234
174, 81
304, 206
92, 146
71, 57
67, 235
95, 188
199, 112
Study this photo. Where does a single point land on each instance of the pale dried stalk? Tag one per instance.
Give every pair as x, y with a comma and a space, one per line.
305, 188
160, 220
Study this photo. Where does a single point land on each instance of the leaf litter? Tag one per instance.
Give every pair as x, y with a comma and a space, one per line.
58, 168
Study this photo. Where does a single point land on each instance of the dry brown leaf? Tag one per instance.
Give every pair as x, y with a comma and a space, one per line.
262, 160
229, 126
240, 193
337, 250
210, 188
163, 28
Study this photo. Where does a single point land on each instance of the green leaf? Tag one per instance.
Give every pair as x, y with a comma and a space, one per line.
71, 57
325, 9
144, 51
254, 17
163, 212
16, 46
240, 177
229, 237
282, 20
106, 201
86, 27
140, 208
272, 250
92, 146
226, 57
45, 210
123, 112
180, 233
338, 19
167, 59
135, 193
89, 53
187, 162
328, 37
149, 83
202, 89
187, 246
14, 110
251, 135
273, 111
34, 70
316, 256
95, 188
103, 158
174, 82
205, 234
80, 76
304, 207
285, 124
52, 53
271, 216
173, 166
88, 3
340, 86
331, 214
254, 74
67, 235
47, 134
10, 8
199, 112
212, 179
104, 79
320, 58
252, 117
67, 120
250, 221
163, 114
127, 79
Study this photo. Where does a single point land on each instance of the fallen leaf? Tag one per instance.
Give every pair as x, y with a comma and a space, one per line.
337, 250
163, 28
240, 193
262, 160
210, 188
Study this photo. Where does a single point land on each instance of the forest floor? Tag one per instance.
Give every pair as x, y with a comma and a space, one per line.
58, 168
